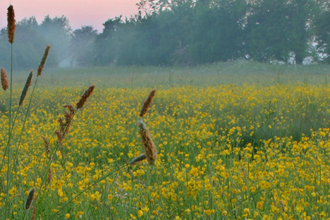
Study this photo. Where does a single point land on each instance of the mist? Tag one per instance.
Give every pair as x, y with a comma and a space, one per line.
181, 33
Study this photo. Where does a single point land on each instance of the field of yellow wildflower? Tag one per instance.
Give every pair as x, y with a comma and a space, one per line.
225, 150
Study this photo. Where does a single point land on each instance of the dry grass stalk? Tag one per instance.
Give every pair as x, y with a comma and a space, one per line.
49, 178
282, 205
25, 88
47, 150
147, 103
85, 96
43, 60
29, 198
60, 137
4, 80
64, 126
11, 26
33, 213
149, 146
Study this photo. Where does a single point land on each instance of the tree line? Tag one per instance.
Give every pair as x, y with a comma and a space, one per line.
183, 32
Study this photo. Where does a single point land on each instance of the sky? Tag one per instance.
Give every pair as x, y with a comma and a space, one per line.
79, 12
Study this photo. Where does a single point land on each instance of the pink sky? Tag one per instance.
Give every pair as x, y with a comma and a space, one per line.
79, 12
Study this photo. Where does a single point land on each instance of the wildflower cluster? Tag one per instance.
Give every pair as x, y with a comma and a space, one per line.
210, 161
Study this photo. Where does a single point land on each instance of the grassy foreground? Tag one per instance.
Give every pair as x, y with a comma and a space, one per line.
228, 148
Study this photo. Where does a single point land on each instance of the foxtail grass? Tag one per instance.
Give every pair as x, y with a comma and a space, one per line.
47, 150
25, 89
43, 60
149, 146
84, 97
13, 166
64, 125
147, 103
29, 199
4, 80
11, 26
150, 152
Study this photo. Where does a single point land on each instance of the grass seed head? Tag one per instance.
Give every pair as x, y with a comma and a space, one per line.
282, 205
147, 103
49, 178
85, 96
25, 88
4, 80
29, 198
33, 213
11, 26
149, 146
59, 135
43, 60
47, 150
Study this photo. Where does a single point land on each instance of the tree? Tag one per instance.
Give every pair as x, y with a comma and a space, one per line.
28, 48
81, 45
276, 28
321, 27
57, 33
300, 32
103, 48
217, 31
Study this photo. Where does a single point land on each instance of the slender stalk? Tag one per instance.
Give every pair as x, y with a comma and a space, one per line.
9, 129
27, 112
25, 214
23, 128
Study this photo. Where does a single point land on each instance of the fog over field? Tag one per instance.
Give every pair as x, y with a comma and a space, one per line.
181, 33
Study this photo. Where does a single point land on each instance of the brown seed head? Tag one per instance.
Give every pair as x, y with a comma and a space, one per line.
85, 96
25, 88
33, 213
59, 135
282, 205
70, 107
149, 146
68, 115
29, 198
147, 103
4, 80
49, 178
11, 26
62, 125
47, 150
43, 60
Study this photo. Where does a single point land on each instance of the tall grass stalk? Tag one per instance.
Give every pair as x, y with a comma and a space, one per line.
11, 35
9, 126
22, 131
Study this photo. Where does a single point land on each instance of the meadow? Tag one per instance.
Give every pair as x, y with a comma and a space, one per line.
236, 140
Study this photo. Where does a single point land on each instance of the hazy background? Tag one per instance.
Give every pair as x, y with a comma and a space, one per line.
167, 33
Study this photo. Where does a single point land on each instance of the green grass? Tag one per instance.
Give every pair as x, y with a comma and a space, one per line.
238, 72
